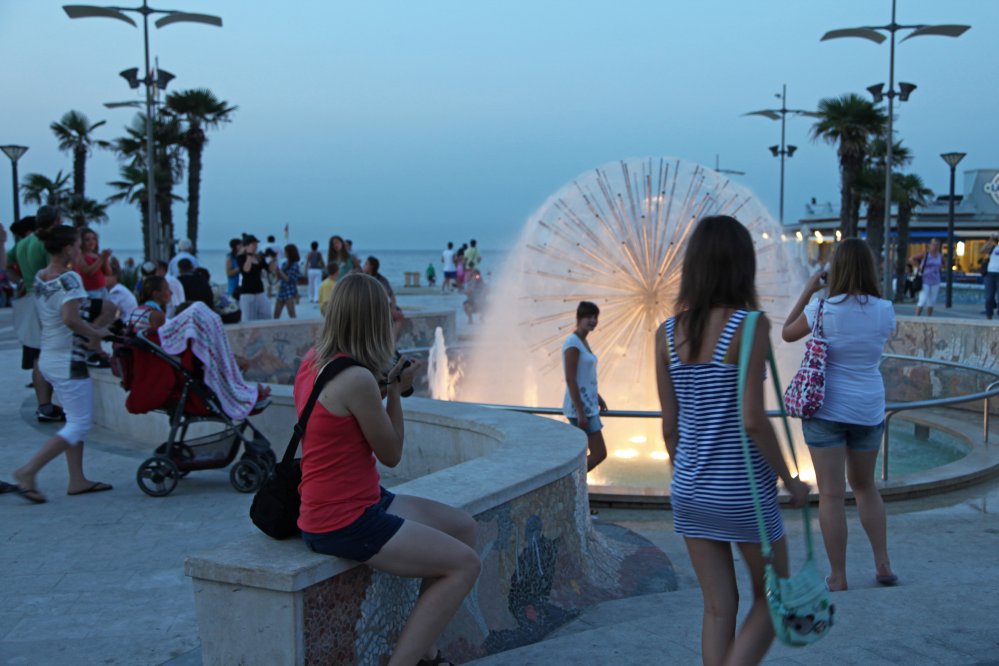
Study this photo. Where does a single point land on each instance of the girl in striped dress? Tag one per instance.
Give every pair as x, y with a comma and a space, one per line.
697, 357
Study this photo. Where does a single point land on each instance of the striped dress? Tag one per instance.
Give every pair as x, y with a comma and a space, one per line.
710, 491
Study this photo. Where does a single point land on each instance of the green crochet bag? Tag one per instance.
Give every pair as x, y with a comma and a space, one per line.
800, 608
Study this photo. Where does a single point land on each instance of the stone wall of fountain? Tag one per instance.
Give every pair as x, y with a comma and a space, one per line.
616, 236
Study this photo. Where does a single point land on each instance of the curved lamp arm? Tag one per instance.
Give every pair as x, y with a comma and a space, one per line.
864, 33
941, 30
87, 11
184, 17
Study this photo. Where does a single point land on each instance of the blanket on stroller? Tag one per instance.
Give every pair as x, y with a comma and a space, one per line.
211, 345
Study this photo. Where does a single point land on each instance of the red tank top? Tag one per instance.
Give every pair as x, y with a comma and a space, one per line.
339, 477
95, 281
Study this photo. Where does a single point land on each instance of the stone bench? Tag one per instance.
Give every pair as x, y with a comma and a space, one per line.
261, 601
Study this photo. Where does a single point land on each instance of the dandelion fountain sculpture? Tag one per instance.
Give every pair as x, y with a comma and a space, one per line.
615, 236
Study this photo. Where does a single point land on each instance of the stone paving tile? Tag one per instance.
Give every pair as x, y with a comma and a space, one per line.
932, 646
58, 628
33, 584
979, 644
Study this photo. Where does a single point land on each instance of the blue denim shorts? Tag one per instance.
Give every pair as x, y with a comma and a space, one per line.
363, 538
823, 434
593, 424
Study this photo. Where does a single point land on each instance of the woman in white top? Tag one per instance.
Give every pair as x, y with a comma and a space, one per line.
62, 306
582, 404
848, 429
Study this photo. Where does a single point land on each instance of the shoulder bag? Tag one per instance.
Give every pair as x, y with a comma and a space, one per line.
276, 505
807, 390
917, 282
800, 608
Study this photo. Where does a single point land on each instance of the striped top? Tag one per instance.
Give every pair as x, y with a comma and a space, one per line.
710, 491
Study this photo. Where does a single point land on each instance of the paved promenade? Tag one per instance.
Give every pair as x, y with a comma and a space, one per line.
98, 579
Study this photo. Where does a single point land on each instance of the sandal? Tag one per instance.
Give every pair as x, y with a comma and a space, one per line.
31, 495
436, 661
7, 488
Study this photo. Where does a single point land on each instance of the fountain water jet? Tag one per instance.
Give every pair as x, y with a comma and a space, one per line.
616, 236
439, 377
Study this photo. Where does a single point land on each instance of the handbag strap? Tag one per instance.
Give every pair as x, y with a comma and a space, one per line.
745, 352
818, 331
329, 371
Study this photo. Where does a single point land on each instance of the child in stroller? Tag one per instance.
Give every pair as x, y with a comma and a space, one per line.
193, 385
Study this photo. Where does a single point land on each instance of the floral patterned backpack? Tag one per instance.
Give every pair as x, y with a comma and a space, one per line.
804, 395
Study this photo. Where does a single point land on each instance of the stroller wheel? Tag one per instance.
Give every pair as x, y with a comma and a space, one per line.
157, 476
246, 476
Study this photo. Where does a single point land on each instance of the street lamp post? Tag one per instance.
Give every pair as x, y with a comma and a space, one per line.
781, 115
172, 16
14, 153
952, 160
872, 33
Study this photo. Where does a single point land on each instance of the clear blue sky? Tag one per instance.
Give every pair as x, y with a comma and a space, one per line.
408, 124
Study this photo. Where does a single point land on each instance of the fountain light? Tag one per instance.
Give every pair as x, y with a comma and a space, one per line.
626, 453
818, 236
798, 235
765, 235
660, 455
839, 236
638, 439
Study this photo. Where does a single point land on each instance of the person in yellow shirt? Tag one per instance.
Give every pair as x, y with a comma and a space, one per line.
326, 288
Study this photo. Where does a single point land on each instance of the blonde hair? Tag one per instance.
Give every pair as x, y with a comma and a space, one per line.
359, 324
852, 271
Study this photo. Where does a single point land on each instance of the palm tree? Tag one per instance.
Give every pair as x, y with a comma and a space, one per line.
84, 211
201, 110
851, 121
74, 134
869, 187
910, 191
40, 190
132, 189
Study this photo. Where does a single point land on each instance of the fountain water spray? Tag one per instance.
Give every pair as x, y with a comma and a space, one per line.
442, 383
616, 236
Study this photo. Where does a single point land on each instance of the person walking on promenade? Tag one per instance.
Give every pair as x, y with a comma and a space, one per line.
252, 300
232, 266
314, 266
431, 275
459, 269
68, 317
697, 372
450, 272
930, 262
473, 258
848, 428
339, 254
345, 511
184, 248
288, 282
582, 403
371, 267
25, 259
991, 250
326, 288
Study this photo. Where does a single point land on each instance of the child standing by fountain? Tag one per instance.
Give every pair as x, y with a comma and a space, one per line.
582, 404
697, 374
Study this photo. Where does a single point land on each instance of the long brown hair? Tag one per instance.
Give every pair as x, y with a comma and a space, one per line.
359, 324
333, 255
719, 270
852, 272
291, 253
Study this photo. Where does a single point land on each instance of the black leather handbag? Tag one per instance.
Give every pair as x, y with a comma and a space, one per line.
276, 505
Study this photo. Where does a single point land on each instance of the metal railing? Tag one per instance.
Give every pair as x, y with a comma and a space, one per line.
991, 391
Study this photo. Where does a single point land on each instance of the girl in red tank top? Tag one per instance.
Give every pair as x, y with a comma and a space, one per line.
344, 511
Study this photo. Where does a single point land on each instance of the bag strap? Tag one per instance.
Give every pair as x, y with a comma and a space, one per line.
329, 371
745, 352
818, 331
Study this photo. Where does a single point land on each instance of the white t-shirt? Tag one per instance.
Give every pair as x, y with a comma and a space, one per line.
63, 352
172, 266
586, 377
856, 330
124, 300
993, 266
447, 256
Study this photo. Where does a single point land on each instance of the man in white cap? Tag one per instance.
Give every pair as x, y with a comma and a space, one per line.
184, 247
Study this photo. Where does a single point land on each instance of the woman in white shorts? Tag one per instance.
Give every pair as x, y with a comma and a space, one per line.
64, 308
930, 262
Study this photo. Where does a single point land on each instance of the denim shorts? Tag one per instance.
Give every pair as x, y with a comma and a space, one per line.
823, 434
363, 538
593, 424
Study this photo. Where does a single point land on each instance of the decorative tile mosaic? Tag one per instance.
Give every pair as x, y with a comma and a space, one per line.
543, 562
276, 349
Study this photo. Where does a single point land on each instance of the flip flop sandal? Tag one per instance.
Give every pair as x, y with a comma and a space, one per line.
31, 495
436, 661
96, 488
888, 580
7, 488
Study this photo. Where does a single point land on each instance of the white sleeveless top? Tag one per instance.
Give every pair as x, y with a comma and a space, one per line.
586, 377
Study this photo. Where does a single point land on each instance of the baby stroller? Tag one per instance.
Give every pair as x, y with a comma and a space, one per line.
158, 381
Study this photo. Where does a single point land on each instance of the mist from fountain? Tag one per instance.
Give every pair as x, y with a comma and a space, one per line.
439, 376
616, 236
